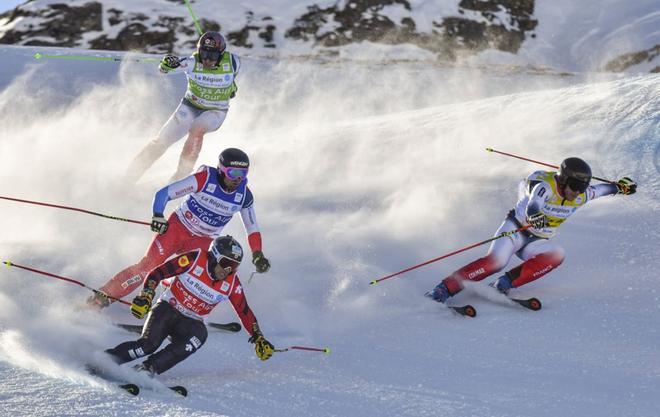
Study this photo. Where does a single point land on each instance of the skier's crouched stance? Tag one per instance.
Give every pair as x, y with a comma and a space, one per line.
203, 280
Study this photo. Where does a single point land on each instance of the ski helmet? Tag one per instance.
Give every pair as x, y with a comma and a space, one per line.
226, 252
211, 45
575, 173
233, 163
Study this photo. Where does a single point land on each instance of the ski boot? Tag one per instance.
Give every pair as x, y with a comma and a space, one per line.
440, 293
145, 368
502, 284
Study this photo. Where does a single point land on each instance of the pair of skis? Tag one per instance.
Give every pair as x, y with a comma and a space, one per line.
533, 304
232, 327
134, 389
123, 383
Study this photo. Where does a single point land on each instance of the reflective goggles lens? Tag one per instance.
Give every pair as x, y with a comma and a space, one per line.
229, 265
211, 55
234, 173
577, 185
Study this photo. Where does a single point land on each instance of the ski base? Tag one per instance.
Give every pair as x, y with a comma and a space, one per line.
533, 303
466, 310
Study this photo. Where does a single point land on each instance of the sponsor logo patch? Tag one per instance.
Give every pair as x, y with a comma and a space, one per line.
238, 197
198, 270
184, 261
224, 287
195, 342
476, 273
211, 188
131, 280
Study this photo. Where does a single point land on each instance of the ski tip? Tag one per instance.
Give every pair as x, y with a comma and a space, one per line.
235, 327
130, 388
37, 55
466, 310
8, 263
374, 282
470, 311
326, 350
535, 304
182, 391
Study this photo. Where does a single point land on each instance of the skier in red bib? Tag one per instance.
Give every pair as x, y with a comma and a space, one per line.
202, 280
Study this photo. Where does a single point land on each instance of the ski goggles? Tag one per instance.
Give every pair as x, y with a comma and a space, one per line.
210, 54
577, 185
234, 173
228, 264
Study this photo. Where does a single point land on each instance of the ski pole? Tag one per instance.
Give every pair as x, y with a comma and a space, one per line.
540, 163
75, 209
39, 55
73, 281
194, 18
501, 235
311, 349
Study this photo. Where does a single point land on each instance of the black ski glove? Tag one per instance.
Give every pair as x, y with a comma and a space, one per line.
159, 223
260, 261
169, 63
626, 186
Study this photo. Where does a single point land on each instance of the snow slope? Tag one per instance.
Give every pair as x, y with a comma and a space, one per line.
358, 171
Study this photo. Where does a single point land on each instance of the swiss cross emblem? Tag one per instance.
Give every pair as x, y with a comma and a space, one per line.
238, 289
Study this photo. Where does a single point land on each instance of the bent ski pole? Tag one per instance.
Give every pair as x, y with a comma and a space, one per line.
311, 349
39, 55
75, 209
541, 163
73, 281
501, 235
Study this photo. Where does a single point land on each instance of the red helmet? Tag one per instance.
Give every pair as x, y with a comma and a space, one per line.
211, 45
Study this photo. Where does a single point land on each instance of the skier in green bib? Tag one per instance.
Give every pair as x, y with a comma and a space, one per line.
211, 73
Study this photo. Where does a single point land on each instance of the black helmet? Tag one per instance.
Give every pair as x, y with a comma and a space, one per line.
575, 173
211, 45
233, 163
226, 252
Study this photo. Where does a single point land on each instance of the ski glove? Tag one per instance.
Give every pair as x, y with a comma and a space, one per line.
159, 224
142, 303
263, 348
626, 186
260, 261
538, 220
99, 300
169, 63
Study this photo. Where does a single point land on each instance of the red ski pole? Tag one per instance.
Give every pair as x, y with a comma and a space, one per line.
75, 209
73, 281
311, 349
504, 234
540, 163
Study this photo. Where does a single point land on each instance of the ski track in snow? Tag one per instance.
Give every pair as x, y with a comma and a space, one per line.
346, 191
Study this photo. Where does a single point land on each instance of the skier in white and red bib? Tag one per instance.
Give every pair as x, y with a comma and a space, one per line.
546, 200
211, 73
203, 280
214, 196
